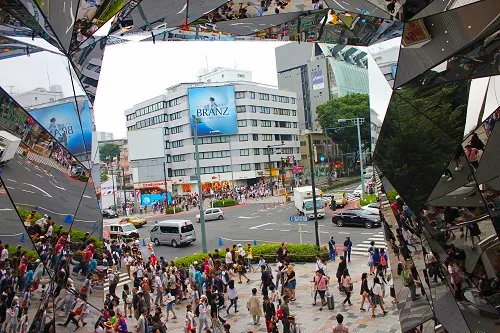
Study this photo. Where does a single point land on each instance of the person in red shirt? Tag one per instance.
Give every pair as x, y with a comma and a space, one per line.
21, 269
472, 156
154, 260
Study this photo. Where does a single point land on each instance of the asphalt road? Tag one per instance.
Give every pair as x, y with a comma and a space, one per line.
255, 221
55, 194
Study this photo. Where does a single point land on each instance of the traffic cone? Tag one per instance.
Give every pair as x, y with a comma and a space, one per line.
254, 242
143, 242
220, 241
22, 238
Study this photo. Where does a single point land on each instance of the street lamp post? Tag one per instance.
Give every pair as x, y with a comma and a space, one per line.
358, 122
313, 184
196, 121
123, 187
113, 180
165, 184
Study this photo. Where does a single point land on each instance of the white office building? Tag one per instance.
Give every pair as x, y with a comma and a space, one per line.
161, 145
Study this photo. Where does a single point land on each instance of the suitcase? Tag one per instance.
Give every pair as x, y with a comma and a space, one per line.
329, 301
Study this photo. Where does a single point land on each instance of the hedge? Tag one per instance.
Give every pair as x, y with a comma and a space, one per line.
76, 235
225, 203
391, 195
170, 210
31, 255
298, 253
369, 198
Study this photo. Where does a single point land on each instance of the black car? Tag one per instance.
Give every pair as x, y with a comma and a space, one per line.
109, 213
356, 217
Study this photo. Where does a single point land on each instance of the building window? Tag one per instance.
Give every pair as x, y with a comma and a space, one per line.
176, 129
179, 158
165, 131
273, 98
215, 169
169, 158
256, 151
254, 123
287, 150
257, 166
175, 116
242, 123
303, 157
240, 94
253, 108
293, 100
241, 109
243, 137
178, 143
255, 137
267, 151
267, 137
265, 123
167, 144
244, 152
174, 102
178, 173
302, 143
264, 97
241, 75
214, 154
245, 167
294, 113
213, 139
252, 95
265, 109
295, 125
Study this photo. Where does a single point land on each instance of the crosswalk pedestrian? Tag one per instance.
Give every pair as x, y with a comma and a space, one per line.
362, 248
123, 279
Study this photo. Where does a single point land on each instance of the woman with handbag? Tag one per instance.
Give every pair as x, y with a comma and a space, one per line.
346, 286
127, 298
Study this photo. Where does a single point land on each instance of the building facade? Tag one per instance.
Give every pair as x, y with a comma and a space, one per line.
122, 169
104, 136
267, 124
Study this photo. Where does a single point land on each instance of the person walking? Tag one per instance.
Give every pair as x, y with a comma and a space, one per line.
347, 248
320, 286
340, 327
291, 281
127, 298
285, 310
377, 296
346, 287
266, 280
407, 281
253, 306
269, 313
202, 314
232, 294
250, 258
340, 270
331, 248
189, 325
364, 291
434, 266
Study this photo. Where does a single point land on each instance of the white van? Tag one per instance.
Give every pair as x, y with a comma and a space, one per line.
120, 229
173, 232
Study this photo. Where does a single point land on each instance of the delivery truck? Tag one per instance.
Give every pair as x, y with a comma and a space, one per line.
8, 146
303, 198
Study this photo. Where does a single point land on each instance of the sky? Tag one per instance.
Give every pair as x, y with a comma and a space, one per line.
136, 71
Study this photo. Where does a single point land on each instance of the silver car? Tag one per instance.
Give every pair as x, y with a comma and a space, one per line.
212, 214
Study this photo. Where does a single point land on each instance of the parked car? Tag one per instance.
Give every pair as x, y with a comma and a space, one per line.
211, 214
340, 199
121, 229
356, 217
135, 221
109, 213
372, 208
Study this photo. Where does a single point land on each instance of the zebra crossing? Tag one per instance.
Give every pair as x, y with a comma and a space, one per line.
362, 248
123, 280
39, 159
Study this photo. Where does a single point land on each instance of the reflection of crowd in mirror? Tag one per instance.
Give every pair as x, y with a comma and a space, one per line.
490, 122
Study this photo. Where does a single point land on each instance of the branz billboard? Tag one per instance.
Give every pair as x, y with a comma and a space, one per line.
215, 108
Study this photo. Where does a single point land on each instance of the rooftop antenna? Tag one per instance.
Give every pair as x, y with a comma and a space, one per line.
48, 76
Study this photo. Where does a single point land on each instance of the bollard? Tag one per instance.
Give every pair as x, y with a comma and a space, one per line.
22, 238
254, 242
220, 241
143, 242
36, 208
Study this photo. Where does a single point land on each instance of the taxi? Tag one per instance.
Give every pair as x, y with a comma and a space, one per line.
137, 222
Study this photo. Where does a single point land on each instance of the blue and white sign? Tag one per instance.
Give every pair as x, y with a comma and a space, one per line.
318, 81
215, 107
299, 218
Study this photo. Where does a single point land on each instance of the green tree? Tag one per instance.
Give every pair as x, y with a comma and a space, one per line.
104, 175
346, 107
107, 151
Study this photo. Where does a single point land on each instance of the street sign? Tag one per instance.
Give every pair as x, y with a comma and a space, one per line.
193, 177
299, 218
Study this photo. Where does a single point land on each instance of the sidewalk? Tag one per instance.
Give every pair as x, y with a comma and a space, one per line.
310, 318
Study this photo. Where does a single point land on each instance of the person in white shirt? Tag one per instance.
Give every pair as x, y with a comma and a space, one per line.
377, 296
158, 288
319, 264
203, 309
241, 251
5, 253
279, 267
128, 262
262, 261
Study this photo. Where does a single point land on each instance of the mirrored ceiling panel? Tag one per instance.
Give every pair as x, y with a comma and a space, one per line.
434, 118
13, 231
91, 16
87, 63
385, 56
432, 40
401, 10
436, 7
488, 165
359, 6
480, 59
61, 15
11, 48
88, 215
477, 94
492, 102
22, 18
